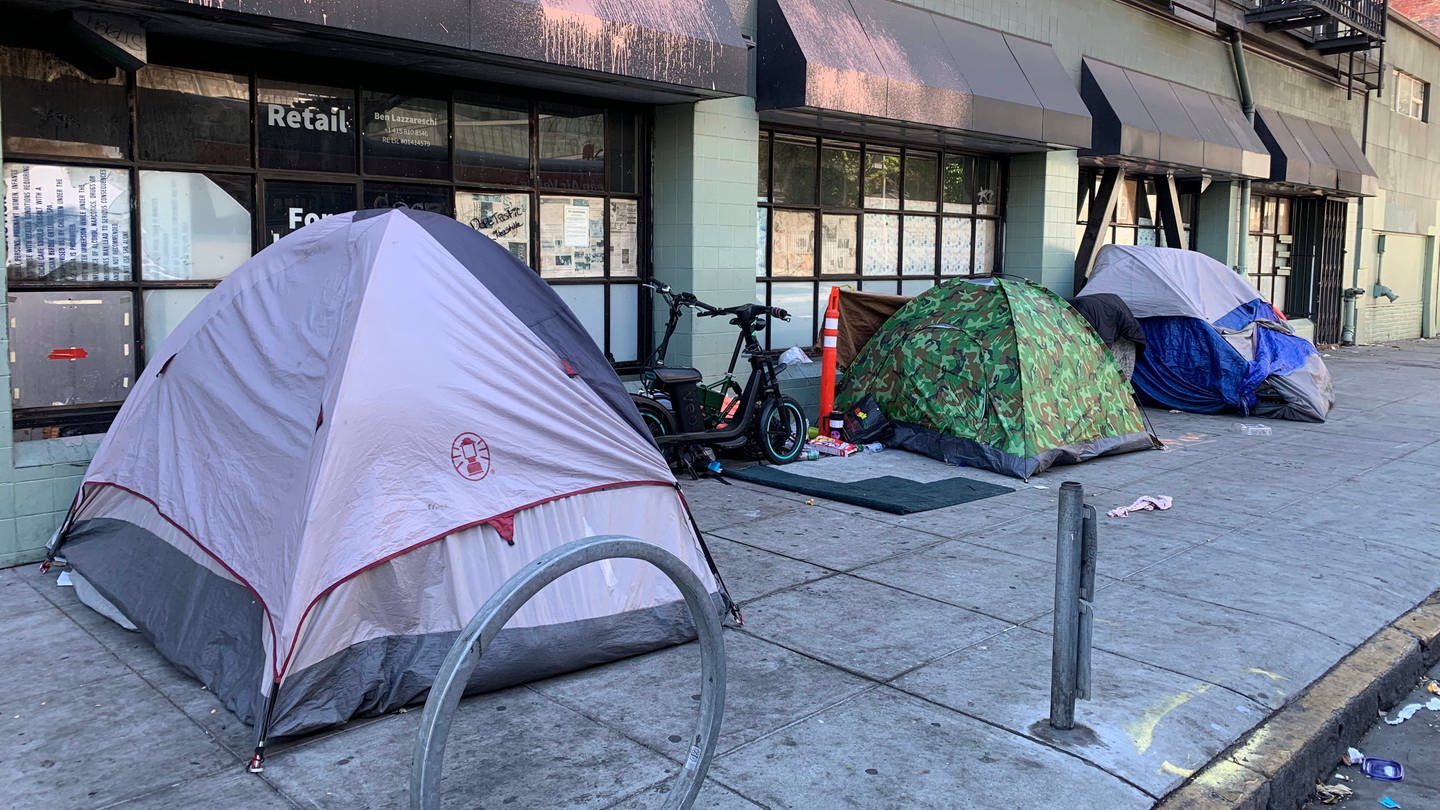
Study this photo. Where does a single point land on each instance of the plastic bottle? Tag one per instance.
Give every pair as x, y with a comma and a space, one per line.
1254, 430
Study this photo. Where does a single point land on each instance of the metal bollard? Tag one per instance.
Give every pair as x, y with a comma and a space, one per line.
1089, 551
1076, 548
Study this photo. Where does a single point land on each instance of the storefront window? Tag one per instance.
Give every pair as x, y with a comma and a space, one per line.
67, 224
290, 206
794, 170
882, 178
840, 175
882, 244
305, 127
1137, 212
572, 237
193, 116
405, 136
164, 310
49, 107
794, 251
502, 217
623, 152
193, 227
762, 192
838, 244
891, 219
226, 163
572, 147
920, 178
492, 140
435, 199
624, 238
919, 246
1268, 248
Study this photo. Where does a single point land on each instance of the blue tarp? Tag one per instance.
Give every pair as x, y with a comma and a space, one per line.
1189, 366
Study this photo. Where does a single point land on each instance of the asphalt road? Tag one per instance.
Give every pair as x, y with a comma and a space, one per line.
1415, 744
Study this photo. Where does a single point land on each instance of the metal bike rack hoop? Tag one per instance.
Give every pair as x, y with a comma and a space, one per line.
472, 642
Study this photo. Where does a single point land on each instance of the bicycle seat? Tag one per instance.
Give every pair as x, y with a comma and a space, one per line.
676, 375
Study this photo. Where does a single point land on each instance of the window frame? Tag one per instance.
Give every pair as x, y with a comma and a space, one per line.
1412, 96
627, 120
819, 209
1089, 187
1275, 239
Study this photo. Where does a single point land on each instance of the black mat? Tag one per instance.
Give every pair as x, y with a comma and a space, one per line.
898, 496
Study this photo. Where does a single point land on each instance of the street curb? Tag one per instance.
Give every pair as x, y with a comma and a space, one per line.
1276, 765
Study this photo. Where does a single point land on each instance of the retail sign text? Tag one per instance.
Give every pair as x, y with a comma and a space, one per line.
278, 115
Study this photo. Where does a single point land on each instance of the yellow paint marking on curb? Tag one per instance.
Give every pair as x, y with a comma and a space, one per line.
1142, 731
1176, 770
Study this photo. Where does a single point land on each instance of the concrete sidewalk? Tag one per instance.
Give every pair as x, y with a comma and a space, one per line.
886, 661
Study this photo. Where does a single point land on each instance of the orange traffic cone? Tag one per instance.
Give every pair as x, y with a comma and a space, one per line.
828, 336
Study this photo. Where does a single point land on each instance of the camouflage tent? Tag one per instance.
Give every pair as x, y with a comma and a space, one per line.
1000, 374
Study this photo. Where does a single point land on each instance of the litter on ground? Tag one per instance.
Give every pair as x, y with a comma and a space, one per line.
1331, 794
1433, 704
1144, 503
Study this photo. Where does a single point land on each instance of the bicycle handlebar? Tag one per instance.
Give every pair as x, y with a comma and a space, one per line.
688, 299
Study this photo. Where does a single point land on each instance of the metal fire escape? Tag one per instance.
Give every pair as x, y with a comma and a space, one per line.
1353, 30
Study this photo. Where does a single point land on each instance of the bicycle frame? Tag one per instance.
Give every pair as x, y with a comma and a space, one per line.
722, 424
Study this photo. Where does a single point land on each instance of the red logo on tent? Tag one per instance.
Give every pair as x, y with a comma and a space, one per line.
471, 456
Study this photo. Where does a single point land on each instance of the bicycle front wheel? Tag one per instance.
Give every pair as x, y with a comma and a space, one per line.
780, 431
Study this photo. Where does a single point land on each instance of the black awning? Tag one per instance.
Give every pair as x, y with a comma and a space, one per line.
690, 46
1313, 155
874, 65
1161, 125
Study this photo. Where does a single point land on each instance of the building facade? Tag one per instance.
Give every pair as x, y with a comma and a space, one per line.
746, 150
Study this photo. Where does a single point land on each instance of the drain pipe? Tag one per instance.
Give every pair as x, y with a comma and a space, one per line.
1347, 332
1247, 105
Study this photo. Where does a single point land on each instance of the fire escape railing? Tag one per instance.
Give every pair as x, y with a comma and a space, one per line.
1326, 26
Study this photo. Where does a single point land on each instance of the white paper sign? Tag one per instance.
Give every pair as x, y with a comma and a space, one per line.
67, 223
577, 226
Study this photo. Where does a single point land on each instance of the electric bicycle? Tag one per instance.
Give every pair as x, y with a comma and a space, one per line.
688, 417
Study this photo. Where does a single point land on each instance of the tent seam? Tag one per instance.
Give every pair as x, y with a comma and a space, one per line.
327, 590
269, 615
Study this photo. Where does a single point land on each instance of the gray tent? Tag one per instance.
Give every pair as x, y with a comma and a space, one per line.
346, 449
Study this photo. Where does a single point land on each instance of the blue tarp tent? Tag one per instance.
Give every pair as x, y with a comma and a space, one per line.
1212, 343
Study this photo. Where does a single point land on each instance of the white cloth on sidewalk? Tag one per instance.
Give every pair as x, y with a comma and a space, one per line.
1144, 503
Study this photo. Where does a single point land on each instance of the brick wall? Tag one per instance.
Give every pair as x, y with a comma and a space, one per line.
1384, 321
1425, 12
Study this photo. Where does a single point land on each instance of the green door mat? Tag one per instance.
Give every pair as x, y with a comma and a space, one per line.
899, 496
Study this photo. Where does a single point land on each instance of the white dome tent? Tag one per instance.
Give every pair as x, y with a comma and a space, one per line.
350, 444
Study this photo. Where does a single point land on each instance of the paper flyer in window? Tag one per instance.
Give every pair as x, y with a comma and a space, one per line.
190, 228
560, 231
504, 218
67, 223
837, 245
624, 237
